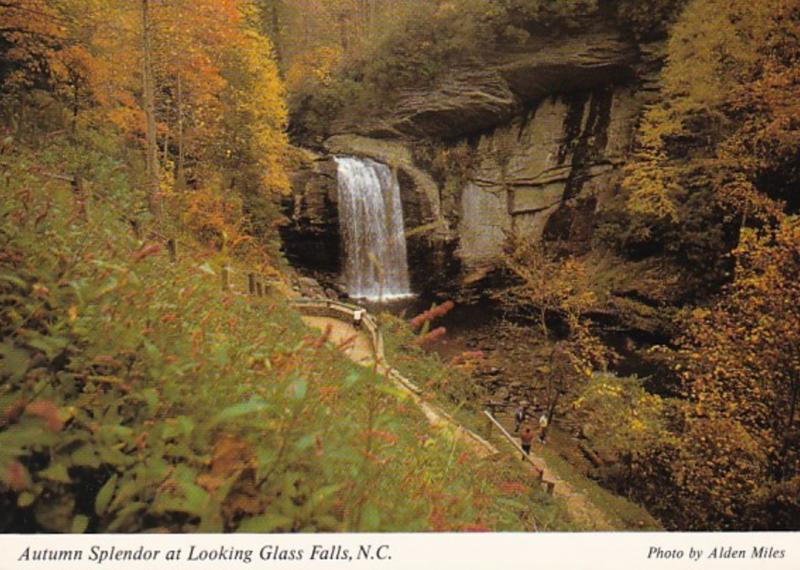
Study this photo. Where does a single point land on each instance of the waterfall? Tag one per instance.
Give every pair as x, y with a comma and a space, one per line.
371, 222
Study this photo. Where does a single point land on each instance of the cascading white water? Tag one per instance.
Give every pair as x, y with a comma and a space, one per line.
371, 223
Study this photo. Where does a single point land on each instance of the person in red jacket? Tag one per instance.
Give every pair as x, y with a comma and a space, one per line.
526, 437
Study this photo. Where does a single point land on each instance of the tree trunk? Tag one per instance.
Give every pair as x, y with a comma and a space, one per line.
551, 413
543, 319
148, 91
75, 104
276, 32
180, 176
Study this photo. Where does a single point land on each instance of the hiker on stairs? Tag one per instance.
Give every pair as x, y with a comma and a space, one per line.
526, 438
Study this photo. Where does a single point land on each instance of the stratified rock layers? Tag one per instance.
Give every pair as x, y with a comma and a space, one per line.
567, 148
549, 126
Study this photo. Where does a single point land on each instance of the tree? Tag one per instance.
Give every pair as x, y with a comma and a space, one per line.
551, 285
624, 422
555, 287
148, 96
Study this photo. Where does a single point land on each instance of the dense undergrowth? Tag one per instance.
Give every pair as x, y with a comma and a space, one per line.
138, 396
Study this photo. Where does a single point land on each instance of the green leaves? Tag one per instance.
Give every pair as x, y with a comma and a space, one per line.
238, 410
56, 472
123, 381
270, 522
15, 361
105, 494
79, 524
298, 389
370, 518
86, 456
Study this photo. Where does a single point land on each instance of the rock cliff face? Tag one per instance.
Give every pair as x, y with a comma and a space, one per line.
540, 172
548, 126
312, 237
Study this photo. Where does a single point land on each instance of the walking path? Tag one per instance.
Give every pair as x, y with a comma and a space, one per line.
358, 346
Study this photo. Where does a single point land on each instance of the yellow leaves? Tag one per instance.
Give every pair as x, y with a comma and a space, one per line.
651, 190
317, 65
214, 217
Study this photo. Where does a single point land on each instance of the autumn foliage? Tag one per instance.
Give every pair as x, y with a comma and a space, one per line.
218, 136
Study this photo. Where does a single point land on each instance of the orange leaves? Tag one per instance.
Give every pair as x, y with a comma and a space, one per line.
468, 361
33, 30
317, 64
216, 218
324, 337
17, 476
514, 488
145, 251
476, 528
39, 291
384, 436
738, 360
13, 412
230, 458
48, 411
434, 335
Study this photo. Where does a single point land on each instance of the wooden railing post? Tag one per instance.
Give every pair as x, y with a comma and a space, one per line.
251, 283
172, 248
226, 278
137, 228
488, 428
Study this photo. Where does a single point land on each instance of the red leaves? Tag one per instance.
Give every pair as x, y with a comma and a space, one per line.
17, 477
384, 436
431, 314
464, 457
146, 251
476, 528
432, 336
513, 488
326, 335
468, 356
48, 411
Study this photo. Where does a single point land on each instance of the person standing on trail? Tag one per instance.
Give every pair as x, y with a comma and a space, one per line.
543, 423
526, 438
358, 318
519, 415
